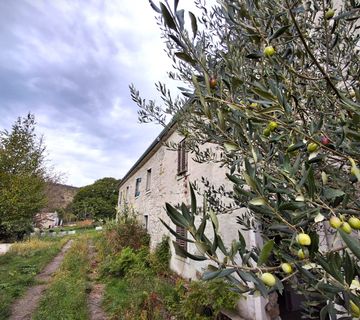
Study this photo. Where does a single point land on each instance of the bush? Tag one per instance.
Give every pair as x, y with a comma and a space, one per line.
119, 235
160, 259
204, 300
121, 263
127, 263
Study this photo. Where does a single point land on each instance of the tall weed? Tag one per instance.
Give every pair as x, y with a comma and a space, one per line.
122, 263
118, 235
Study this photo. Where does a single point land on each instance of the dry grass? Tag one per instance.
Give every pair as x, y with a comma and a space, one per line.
84, 223
23, 248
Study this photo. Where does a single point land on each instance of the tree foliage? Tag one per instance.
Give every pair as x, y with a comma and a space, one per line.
97, 200
22, 176
275, 85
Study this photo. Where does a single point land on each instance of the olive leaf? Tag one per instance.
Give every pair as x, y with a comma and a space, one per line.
194, 26
265, 252
169, 21
155, 8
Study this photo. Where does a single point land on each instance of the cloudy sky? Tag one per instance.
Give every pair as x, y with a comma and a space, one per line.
70, 63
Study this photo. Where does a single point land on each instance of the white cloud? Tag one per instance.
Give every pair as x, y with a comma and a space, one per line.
70, 63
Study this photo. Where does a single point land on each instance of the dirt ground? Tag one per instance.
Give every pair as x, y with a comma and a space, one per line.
97, 289
23, 308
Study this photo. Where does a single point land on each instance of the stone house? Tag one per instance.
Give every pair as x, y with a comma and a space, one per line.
46, 220
59, 196
161, 175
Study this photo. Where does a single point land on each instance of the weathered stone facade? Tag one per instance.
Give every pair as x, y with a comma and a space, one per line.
166, 185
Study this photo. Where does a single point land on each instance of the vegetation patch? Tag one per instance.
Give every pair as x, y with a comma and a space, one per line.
66, 297
142, 297
160, 258
125, 234
140, 285
19, 267
205, 299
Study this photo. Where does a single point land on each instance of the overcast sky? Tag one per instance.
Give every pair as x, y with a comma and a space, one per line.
70, 63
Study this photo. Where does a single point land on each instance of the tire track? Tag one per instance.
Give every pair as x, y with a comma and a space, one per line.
97, 289
23, 308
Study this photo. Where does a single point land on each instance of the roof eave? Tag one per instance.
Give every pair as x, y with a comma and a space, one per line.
155, 145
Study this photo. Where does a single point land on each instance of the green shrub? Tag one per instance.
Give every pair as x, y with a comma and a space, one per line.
161, 257
128, 260
121, 263
204, 300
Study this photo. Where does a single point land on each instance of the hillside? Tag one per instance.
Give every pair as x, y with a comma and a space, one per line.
59, 196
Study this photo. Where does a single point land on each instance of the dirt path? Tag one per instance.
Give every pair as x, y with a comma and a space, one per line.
97, 289
23, 308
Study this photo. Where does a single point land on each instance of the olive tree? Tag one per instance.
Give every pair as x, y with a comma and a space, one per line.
275, 85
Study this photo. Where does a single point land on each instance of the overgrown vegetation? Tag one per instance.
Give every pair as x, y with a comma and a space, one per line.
19, 267
140, 285
274, 85
160, 258
125, 233
202, 300
66, 298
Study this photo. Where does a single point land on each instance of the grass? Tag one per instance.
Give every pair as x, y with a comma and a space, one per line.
19, 266
139, 285
141, 296
136, 282
66, 297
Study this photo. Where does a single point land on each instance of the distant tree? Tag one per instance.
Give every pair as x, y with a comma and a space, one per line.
97, 200
22, 176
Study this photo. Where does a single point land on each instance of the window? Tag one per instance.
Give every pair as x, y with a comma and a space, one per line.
182, 158
182, 232
137, 187
120, 198
127, 194
146, 221
148, 180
